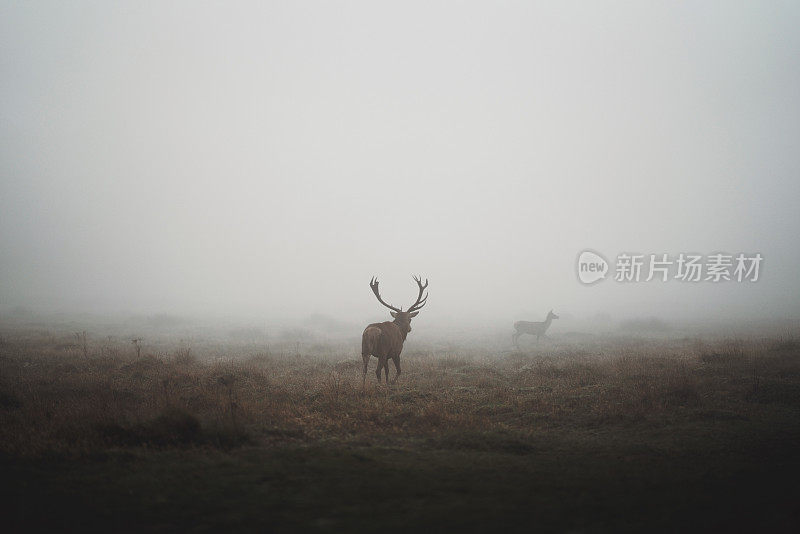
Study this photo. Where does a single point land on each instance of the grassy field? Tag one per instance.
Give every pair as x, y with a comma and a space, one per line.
605, 434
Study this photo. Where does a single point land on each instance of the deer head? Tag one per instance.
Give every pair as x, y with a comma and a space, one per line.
551, 315
403, 318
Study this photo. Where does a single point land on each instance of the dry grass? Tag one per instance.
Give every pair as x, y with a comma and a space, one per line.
610, 434
56, 400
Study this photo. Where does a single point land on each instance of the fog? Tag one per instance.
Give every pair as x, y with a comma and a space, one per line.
265, 160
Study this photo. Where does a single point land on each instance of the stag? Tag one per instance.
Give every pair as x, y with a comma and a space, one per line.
534, 328
385, 340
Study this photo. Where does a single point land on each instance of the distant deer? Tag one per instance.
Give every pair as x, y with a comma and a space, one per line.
534, 328
385, 340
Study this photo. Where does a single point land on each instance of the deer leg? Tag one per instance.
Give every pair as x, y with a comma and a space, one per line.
381, 362
515, 339
396, 367
365, 357
386, 369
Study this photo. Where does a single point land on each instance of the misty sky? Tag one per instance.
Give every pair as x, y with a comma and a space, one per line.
268, 158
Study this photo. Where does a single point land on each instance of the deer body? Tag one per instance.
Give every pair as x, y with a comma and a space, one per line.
533, 328
385, 340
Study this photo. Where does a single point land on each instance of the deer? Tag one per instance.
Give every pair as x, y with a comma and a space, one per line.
534, 328
385, 340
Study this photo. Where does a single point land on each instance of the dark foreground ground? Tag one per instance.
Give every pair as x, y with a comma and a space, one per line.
602, 436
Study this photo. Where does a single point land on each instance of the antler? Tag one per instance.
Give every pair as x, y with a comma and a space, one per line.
420, 301
373, 284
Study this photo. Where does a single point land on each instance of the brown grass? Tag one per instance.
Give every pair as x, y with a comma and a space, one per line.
611, 434
55, 400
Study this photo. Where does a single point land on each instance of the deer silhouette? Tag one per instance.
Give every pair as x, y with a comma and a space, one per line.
533, 328
385, 340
